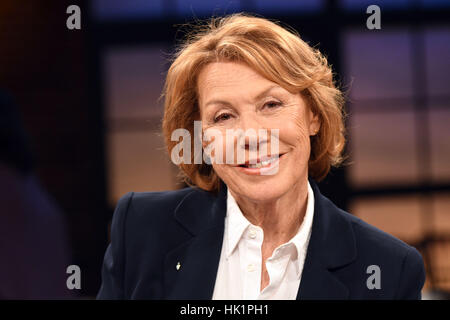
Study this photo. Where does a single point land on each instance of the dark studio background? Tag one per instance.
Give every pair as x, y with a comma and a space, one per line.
80, 113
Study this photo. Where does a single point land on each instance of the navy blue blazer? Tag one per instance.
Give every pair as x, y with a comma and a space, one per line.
153, 232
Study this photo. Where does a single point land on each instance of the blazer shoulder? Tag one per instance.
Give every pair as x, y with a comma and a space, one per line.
370, 237
155, 210
161, 199
377, 238
371, 240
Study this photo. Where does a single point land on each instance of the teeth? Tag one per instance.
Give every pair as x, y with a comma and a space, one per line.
262, 163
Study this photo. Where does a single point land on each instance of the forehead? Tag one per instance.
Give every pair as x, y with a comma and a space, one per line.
223, 77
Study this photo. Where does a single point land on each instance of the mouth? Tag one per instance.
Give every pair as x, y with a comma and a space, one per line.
260, 166
260, 163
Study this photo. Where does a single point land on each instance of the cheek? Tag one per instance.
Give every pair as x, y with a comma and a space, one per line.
292, 124
295, 133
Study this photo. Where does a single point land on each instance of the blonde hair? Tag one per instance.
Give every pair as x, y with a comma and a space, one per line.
278, 54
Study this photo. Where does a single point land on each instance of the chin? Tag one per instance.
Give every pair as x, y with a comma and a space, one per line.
262, 191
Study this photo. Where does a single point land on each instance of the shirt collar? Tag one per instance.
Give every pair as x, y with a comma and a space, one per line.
237, 224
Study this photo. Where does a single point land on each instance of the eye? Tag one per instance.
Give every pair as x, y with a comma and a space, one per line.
222, 117
272, 104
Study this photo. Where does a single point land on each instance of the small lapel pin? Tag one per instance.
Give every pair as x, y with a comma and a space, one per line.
178, 266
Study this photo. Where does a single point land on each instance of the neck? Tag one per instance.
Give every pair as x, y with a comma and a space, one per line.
279, 218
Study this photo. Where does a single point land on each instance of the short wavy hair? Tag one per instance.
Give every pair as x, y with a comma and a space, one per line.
278, 54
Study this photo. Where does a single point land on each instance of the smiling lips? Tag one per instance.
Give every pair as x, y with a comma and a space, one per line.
257, 163
263, 166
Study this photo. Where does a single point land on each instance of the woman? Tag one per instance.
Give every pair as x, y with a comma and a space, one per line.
252, 227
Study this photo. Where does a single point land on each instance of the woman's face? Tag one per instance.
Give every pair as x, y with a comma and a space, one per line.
233, 96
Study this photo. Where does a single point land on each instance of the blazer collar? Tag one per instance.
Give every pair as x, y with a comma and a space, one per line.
200, 210
331, 246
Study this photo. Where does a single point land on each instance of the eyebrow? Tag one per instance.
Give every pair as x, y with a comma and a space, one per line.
259, 96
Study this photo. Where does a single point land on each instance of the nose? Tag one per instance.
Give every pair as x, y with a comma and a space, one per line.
254, 134
254, 140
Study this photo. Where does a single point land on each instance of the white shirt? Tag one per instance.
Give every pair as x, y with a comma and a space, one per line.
239, 273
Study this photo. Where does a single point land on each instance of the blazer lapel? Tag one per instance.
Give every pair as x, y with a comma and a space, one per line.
331, 246
191, 268
318, 283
